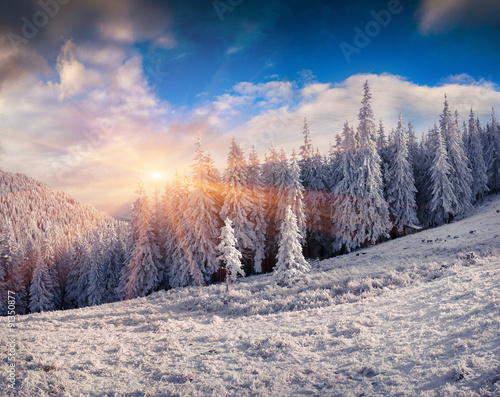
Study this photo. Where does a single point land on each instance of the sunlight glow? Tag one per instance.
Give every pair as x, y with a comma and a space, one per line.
157, 175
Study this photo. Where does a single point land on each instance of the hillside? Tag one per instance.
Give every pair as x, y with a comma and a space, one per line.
41, 230
415, 316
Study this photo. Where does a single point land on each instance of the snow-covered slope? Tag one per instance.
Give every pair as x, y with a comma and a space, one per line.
413, 316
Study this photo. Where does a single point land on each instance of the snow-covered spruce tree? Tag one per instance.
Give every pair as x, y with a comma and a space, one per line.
475, 155
283, 181
443, 201
306, 154
372, 210
413, 148
158, 224
460, 175
29, 258
306, 175
201, 222
257, 215
344, 199
422, 175
117, 257
41, 286
385, 153
296, 196
492, 153
332, 167
237, 205
97, 276
317, 210
270, 177
400, 182
184, 270
290, 260
382, 147
77, 284
140, 274
229, 255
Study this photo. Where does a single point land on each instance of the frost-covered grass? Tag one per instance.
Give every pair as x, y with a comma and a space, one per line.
408, 317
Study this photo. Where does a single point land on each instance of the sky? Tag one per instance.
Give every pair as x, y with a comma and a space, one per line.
94, 93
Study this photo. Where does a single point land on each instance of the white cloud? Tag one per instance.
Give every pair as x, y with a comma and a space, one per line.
167, 41
273, 92
439, 16
234, 49
72, 73
328, 106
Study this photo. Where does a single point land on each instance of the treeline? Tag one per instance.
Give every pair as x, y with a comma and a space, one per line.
253, 217
368, 187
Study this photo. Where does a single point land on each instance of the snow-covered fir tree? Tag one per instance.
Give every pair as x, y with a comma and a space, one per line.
283, 183
296, 196
317, 210
306, 154
343, 206
413, 148
270, 176
140, 275
400, 182
460, 175
41, 287
382, 147
290, 260
201, 218
257, 215
237, 205
474, 149
98, 272
229, 254
312, 178
372, 210
184, 270
159, 226
77, 284
443, 201
332, 167
492, 153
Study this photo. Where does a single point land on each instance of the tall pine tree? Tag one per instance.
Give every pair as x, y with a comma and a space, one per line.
344, 198
372, 210
140, 275
201, 218
400, 183
443, 201
460, 175
237, 204
229, 255
257, 215
475, 155
290, 260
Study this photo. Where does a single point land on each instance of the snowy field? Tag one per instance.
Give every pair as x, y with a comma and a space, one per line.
413, 316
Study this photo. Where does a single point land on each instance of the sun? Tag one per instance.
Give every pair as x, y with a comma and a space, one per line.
157, 175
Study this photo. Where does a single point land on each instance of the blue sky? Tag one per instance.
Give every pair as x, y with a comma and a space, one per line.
100, 91
262, 40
